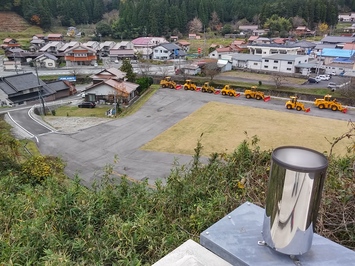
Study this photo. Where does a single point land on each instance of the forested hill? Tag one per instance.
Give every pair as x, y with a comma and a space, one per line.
164, 17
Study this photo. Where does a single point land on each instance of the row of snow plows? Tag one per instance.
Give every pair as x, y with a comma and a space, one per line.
227, 90
327, 102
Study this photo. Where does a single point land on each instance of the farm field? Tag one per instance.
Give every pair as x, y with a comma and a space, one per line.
224, 127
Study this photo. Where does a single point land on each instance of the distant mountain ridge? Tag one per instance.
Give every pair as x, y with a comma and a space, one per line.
12, 22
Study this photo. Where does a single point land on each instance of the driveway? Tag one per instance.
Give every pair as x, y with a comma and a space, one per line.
88, 151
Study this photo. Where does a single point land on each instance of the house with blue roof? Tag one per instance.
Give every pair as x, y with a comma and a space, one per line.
337, 60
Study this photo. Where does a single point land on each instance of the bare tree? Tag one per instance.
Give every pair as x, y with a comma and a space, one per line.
278, 79
211, 69
195, 25
298, 21
215, 23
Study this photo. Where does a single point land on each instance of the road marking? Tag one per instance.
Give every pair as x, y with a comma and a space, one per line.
17, 124
39, 122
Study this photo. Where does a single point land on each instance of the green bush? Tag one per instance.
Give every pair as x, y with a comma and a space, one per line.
61, 222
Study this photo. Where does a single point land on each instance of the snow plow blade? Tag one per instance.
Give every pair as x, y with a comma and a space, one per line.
345, 110
267, 98
217, 92
307, 110
178, 87
237, 95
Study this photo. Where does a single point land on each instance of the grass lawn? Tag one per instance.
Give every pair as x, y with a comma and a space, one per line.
224, 126
69, 110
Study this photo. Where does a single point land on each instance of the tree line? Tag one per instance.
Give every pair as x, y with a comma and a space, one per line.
171, 17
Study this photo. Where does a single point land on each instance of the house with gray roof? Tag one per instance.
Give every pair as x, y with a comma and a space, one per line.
51, 47
337, 39
272, 48
166, 51
46, 60
247, 61
122, 50
25, 87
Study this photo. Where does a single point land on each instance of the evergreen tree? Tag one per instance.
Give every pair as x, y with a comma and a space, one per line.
128, 69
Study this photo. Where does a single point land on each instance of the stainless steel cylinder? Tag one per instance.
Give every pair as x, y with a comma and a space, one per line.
295, 187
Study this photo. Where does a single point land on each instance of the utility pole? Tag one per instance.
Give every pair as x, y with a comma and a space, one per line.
39, 90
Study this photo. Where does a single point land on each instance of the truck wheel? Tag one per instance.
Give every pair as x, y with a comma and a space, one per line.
186, 88
223, 93
248, 96
231, 94
164, 86
289, 106
321, 106
258, 97
298, 108
334, 108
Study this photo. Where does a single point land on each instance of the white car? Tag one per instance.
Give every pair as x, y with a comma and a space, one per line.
324, 77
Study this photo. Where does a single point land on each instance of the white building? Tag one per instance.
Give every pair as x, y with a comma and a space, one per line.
167, 51
268, 49
284, 63
247, 61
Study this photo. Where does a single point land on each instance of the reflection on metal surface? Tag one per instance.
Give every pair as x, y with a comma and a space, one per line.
294, 192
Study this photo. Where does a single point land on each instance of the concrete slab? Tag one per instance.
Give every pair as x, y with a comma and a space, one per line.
191, 253
235, 239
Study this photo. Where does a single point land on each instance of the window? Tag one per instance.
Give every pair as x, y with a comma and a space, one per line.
266, 66
255, 64
289, 63
155, 50
266, 60
276, 61
288, 69
275, 67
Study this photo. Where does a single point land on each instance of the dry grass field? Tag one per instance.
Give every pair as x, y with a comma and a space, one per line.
224, 126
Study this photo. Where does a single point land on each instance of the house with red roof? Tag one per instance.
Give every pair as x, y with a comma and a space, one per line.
9, 43
55, 37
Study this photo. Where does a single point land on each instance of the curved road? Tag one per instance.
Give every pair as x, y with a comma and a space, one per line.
87, 152
29, 124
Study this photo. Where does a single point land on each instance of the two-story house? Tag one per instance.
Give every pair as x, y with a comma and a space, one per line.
168, 51
184, 45
144, 45
52, 37
268, 49
80, 55
93, 45
122, 50
9, 43
284, 63
105, 48
51, 47
67, 46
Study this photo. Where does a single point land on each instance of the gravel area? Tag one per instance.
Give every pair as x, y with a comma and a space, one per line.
74, 124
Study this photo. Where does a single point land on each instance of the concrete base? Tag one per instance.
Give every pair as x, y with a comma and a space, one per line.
235, 239
191, 253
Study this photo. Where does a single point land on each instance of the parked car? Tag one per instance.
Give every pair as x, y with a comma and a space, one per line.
323, 77
314, 80
333, 86
87, 105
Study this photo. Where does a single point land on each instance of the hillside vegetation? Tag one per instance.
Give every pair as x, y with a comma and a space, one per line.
49, 220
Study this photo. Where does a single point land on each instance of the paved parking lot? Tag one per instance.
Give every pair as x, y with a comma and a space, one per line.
88, 151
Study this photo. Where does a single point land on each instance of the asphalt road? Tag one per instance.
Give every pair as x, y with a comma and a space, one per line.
88, 152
